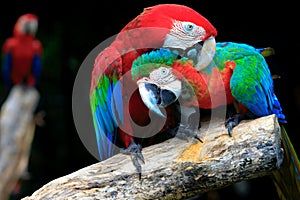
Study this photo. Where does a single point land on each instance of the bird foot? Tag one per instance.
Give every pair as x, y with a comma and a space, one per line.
135, 152
233, 121
185, 132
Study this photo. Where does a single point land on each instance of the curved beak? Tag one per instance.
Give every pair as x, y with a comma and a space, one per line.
155, 96
201, 52
206, 54
30, 27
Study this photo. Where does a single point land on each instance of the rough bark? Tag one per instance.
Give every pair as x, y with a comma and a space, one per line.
178, 169
16, 133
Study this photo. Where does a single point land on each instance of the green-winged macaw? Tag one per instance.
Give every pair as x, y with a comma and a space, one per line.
238, 74
22, 53
118, 107
120, 116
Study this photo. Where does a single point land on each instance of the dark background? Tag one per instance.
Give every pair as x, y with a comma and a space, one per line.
69, 32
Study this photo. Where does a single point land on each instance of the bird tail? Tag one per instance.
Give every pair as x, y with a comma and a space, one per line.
265, 52
268, 51
287, 177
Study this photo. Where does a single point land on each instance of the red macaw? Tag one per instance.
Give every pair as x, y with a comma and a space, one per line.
120, 117
22, 53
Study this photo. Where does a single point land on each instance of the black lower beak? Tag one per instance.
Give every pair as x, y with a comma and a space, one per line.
162, 97
191, 53
201, 53
154, 97
167, 97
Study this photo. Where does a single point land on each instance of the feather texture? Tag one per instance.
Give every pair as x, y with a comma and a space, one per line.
107, 110
115, 108
251, 83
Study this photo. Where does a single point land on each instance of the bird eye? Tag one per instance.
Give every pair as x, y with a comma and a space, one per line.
164, 71
188, 26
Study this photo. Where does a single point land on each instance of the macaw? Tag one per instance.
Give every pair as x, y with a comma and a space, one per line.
238, 74
120, 117
22, 53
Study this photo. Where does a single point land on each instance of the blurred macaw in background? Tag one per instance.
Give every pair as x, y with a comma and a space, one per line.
22, 59
21, 70
22, 53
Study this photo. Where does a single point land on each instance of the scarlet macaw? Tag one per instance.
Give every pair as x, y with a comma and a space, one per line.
22, 62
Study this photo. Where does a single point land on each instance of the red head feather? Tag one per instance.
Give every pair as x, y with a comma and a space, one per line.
145, 32
163, 15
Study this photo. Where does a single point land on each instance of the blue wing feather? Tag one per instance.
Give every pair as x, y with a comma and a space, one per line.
111, 101
106, 107
37, 67
118, 103
99, 133
6, 68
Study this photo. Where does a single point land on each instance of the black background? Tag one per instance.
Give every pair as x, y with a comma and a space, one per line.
70, 31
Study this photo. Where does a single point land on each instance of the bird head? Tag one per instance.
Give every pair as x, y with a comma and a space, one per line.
158, 81
26, 24
183, 30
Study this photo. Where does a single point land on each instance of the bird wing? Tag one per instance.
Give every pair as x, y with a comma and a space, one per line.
251, 83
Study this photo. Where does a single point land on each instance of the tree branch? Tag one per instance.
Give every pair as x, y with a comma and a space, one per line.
177, 169
16, 133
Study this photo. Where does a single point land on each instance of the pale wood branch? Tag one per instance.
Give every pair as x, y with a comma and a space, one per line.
16, 134
178, 169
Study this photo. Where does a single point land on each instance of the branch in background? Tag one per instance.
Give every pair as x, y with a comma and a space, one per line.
16, 134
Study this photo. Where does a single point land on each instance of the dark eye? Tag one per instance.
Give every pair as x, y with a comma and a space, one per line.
189, 27
163, 71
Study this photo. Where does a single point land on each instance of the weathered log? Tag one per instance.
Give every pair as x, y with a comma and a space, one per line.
178, 169
17, 128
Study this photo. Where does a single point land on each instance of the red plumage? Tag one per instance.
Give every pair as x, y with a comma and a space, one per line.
23, 47
144, 33
210, 90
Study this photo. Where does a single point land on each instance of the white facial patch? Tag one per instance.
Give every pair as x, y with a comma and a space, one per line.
162, 75
165, 79
184, 35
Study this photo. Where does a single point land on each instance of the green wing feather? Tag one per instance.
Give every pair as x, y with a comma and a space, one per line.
251, 82
107, 111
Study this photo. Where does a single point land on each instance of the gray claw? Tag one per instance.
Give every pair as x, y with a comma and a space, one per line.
184, 132
135, 152
233, 121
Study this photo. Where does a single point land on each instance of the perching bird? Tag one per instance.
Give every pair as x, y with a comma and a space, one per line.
22, 59
120, 117
22, 62
238, 74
